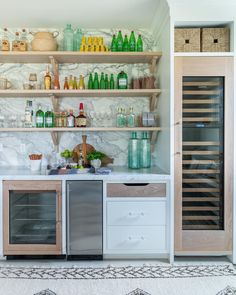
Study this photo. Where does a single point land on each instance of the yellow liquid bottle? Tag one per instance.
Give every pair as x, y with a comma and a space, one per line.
81, 84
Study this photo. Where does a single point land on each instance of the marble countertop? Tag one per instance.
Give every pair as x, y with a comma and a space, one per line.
118, 173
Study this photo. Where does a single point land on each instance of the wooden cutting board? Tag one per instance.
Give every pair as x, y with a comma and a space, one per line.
85, 148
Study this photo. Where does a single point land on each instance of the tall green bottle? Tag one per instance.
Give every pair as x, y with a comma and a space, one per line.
132, 42
39, 117
49, 118
113, 43
90, 81
133, 151
102, 81
125, 44
119, 42
106, 82
95, 81
112, 82
139, 43
145, 151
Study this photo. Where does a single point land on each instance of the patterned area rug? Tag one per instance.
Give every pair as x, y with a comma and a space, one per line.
126, 280
127, 272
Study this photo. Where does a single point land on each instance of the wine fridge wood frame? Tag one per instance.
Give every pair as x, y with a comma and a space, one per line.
31, 249
204, 242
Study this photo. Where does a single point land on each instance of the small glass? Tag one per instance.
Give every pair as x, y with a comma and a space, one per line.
13, 121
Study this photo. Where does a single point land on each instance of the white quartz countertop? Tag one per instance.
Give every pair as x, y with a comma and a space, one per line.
118, 173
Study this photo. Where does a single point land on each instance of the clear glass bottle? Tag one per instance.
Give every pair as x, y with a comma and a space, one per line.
119, 119
5, 41
16, 42
134, 151
131, 118
145, 151
30, 104
68, 39
39, 117
124, 117
49, 118
23, 41
71, 119
77, 39
28, 116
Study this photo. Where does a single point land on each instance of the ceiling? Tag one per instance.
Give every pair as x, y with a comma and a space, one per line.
85, 14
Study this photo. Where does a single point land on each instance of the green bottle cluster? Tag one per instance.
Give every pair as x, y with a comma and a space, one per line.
119, 43
139, 151
44, 119
104, 82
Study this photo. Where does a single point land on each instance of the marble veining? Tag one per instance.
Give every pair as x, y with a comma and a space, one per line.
112, 143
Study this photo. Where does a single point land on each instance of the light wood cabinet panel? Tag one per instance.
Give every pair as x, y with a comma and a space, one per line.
32, 217
203, 155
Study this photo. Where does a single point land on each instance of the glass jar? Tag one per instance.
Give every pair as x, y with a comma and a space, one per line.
64, 119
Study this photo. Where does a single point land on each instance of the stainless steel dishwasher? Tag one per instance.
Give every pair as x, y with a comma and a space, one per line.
84, 219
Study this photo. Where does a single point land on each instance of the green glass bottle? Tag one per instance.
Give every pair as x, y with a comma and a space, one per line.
134, 151
139, 43
102, 81
112, 82
132, 42
77, 39
106, 82
145, 151
122, 80
39, 117
125, 44
68, 39
119, 42
113, 43
90, 81
49, 118
95, 81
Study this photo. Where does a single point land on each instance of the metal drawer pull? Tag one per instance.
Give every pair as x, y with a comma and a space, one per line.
136, 184
136, 239
136, 214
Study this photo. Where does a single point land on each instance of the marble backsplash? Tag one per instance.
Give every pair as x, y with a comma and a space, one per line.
17, 146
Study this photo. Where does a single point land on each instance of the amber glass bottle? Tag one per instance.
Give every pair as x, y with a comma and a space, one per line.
81, 120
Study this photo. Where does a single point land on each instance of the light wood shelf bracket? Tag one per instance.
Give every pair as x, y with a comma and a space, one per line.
153, 64
54, 64
55, 138
153, 139
55, 103
153, 102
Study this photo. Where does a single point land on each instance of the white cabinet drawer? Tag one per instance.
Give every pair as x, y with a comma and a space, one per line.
136, 238
136, 213
142, 190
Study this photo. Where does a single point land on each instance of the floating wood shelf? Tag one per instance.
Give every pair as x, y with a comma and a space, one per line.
80, 57
87, 129
81, 93
56, 131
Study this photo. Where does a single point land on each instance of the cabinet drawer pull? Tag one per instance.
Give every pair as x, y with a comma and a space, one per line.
136, 239
136, 184
135, 214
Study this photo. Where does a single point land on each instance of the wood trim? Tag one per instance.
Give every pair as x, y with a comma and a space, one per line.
212, 242
200, 101
151, 190
30, 249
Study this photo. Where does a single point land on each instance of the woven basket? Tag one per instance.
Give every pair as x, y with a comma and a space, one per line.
215, 39
187, 40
